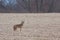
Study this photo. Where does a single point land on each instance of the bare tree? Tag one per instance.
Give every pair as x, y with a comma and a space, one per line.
51, 6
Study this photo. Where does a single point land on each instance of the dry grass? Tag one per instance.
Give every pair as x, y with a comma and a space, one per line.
36, 27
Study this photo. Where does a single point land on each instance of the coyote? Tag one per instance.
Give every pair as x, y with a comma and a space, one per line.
18, 26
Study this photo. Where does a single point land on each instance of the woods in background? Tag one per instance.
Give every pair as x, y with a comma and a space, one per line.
34, 6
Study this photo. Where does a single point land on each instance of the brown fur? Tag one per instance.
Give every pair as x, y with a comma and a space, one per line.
18, 26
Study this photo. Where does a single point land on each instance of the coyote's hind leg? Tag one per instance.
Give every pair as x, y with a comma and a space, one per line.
14, 28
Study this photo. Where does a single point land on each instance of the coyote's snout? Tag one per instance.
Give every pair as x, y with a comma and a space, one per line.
18, 26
